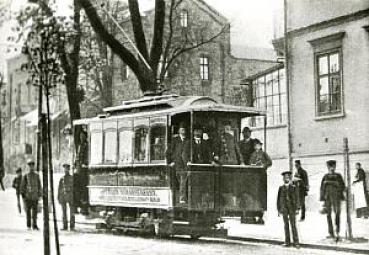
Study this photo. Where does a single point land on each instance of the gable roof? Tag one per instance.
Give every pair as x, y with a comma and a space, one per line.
211, 11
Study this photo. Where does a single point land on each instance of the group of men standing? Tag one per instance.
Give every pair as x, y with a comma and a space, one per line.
29, 189
291, 197
223, 149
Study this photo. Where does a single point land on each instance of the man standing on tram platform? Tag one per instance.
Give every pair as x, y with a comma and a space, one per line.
178, 156
247, 145
228, 151
201, 150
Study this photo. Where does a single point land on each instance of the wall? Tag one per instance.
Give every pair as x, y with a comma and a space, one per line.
303, 13
311, 135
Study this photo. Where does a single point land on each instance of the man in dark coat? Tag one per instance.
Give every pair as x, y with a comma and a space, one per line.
247, 145
17, 186
287, 205
178, 156
228, 152
332, 193
302, 184
31, 192
65, 197
201, 149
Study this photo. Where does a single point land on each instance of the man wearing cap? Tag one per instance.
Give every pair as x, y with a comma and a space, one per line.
287, 205
65, 197
17, 186
201, 151
332, 193
260, 157
178, 156
246, 145
31, 192
228, 153
302, 184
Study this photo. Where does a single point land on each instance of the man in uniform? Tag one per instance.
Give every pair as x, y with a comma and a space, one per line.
228, 152
302, 183
332, 193
287, 205
17, 186
201, 151
31, 192
178, 156
65, 197
247, 145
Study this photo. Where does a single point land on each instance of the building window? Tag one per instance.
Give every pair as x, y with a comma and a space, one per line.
269, 93
124, 71
204, 68
329, 82
184, 18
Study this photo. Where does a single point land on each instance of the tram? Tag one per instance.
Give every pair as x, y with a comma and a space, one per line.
135, 189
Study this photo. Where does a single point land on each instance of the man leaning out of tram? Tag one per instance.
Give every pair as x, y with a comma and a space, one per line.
260, 157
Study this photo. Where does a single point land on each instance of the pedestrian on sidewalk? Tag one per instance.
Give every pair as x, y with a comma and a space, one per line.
287, 205
17, 181
361, 177
332, 193
65, 197
31, 192
302, 184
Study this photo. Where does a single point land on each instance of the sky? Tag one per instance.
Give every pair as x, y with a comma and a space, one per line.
251, 20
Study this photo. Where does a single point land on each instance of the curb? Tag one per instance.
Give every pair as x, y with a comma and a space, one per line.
272, 241
303, 245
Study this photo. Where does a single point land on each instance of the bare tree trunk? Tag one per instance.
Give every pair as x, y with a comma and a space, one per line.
2, 170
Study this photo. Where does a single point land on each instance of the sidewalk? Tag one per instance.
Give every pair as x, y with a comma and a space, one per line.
312, 232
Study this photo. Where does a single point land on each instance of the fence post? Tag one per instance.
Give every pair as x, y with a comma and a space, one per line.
348, 183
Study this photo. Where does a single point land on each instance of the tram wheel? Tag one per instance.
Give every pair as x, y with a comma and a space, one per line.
195, 236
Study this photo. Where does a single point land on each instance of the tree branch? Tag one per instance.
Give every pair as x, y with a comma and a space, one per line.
138, 32
157, 45
109, 39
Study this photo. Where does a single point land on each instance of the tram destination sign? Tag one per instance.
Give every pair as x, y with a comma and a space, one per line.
131, 196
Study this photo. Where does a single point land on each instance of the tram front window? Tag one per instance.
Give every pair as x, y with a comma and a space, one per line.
141, 135
157, 143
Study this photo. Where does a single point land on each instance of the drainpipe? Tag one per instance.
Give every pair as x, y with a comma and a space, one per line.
287, 74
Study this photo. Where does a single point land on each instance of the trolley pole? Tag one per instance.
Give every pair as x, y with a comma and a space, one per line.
349, 192
287, 78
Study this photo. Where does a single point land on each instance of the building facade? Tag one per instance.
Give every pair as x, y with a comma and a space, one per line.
20, 117
328, 85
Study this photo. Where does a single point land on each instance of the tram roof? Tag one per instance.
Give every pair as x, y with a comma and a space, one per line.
170, 105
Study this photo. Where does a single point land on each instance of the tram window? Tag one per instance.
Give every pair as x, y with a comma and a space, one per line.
125, 141
110, 142
157, 143
141, 153
125, 146
96, 148
110, 148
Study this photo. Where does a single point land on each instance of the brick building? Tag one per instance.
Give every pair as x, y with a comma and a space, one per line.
208, 70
